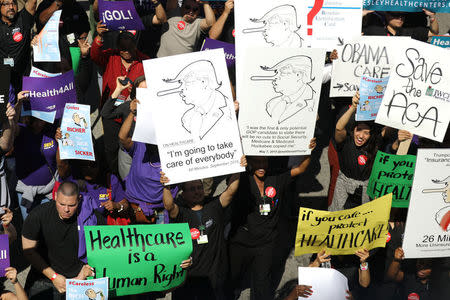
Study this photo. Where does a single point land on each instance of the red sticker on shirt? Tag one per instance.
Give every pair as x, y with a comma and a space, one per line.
133, 32
17, 37
362, 159
270, 191
233, 33
388, 237
413, 296
181, 25
195, 233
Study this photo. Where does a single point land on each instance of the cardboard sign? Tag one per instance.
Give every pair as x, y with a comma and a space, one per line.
365, 56
371, 92
91, 289
144, 131
119, 15
228, 48
331, 22
441, 41
48, 96
345, 231
427, 230
278, 107
432, 5
326, 283
4, 254
76, 142
392, 174
194, 115
139, 258
47, 48
417, 97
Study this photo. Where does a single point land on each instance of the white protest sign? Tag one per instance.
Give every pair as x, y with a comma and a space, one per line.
194, 115
417, 97
427, 231
144, 131
267, 23
331, 22
326, 283
278, 107
366, 56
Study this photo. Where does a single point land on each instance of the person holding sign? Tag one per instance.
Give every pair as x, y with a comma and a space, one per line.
143, 188
254, 224
6, 144
356, 152
55, 226
394, 26
207, 275
183, 28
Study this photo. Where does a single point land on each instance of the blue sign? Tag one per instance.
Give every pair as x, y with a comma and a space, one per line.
441, 41
442, 6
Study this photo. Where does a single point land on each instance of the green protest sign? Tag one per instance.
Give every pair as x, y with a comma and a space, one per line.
139, 258
392, 174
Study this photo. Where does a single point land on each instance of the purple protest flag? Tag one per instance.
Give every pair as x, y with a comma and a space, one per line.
48, 96
4, 254
119, 15
227, 48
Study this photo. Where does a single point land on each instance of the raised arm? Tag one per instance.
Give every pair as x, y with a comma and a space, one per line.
209, 19
7, 138
160, 16
45, 15
394, 273
434, 25
8, 227
169, 204
233, 183
363, 272
30, 6
340, 133
124, 133
295, 171
216, 30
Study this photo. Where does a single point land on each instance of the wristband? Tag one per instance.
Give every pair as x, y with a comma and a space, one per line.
5, 225
364, 266
121, 208
54, 276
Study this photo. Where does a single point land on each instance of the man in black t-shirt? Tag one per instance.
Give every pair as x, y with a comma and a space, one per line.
207, 275
50, 243
15, 37
394, 27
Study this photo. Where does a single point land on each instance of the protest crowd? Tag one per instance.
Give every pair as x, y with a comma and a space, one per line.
242, 223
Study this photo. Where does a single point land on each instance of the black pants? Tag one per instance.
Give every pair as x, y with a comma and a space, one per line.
198, 288
256, 262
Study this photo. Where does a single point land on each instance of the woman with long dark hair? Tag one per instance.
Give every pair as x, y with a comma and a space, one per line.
356, 151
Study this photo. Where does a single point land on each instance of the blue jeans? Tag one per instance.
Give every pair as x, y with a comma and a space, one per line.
24, 210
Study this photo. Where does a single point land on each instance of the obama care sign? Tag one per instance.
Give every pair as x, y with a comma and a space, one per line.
427, 231
48, 96
119, 15
417, 97
139, 258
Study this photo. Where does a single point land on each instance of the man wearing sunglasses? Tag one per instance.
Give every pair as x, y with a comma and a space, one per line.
183, 28
394, 26
15, 37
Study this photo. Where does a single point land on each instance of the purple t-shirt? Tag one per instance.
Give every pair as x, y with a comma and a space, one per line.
142, 183
35, 157
100, 193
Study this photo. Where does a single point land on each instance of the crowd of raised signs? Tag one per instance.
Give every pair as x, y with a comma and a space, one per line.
242, 233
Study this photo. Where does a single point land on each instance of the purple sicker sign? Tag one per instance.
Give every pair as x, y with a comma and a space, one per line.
119, 15
227, 48
48, 96
4, 254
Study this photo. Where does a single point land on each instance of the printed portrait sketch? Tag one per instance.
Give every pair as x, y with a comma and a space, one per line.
291, 80
198, 87
443, 215
79, 121
279, 27
92, 295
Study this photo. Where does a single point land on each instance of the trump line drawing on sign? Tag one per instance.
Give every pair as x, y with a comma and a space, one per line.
443, 215
280, 27
291, 80
198, 88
